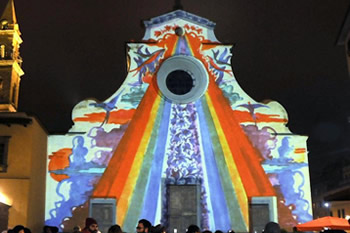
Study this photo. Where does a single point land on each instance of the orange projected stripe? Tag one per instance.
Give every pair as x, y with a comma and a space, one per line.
121, 116
300, 150
244, 116
231, 165
247, 158
126, 196
113, 179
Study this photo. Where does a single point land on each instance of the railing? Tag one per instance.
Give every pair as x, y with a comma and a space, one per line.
13, 57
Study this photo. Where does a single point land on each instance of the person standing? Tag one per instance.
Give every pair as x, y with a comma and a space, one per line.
76, 229
90, 226
115, 229
143, 226
272, 227
193, 229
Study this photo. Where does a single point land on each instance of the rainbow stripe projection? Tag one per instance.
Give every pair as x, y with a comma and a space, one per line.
132, 145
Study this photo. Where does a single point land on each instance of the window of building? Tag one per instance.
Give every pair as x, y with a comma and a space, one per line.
4, 142
14, 93
1, 83
339, 216
343, 213
2, 51
4, 24
182, 79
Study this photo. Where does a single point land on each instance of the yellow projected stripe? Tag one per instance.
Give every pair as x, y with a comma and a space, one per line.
123, 203
232, 168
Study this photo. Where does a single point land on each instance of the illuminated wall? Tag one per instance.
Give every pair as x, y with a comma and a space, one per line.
22, 186
133, 144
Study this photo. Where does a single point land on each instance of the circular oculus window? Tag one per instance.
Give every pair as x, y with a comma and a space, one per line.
182, 79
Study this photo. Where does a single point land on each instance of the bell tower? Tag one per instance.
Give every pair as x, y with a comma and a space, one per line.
10, 61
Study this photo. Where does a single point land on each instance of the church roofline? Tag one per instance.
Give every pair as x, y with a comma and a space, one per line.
9, 118
180, 14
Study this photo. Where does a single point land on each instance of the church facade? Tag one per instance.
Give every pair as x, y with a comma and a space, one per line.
178, 143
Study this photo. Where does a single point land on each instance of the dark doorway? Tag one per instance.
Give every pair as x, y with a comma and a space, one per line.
184, 207
104, 211
259, 216
4, 216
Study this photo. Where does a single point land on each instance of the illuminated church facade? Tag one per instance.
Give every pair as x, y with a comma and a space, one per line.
178, 143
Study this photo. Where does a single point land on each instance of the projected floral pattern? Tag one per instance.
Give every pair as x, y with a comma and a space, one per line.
184, 155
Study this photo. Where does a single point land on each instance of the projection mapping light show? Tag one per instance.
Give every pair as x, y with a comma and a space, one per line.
179, 118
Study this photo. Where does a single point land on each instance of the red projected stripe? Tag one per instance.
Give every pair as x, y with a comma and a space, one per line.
113, 180
247, 158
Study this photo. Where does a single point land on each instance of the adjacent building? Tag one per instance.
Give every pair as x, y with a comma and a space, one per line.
23, 140
331, 190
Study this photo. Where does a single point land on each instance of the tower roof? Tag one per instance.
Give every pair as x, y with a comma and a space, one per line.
9, 13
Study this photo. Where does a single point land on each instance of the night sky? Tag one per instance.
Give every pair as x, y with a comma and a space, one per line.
284, 51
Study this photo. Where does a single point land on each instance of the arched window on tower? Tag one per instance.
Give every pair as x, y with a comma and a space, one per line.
4, 24
2, 51
1, 89
4, 144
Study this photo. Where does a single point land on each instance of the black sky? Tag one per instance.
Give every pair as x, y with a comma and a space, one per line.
285, 51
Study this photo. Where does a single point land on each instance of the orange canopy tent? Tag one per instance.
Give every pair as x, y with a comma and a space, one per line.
324, 223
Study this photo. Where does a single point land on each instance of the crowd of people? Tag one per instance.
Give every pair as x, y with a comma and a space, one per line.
143, 226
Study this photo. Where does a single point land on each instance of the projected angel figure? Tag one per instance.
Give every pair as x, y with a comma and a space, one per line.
77, 159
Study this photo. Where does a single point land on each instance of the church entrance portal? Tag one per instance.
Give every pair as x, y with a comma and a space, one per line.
183, 207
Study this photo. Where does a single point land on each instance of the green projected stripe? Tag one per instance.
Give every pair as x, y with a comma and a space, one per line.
135, 207
236, 215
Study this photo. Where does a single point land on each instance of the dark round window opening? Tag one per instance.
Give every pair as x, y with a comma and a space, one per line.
179, 82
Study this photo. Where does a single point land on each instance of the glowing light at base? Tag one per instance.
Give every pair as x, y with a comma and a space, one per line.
5, 199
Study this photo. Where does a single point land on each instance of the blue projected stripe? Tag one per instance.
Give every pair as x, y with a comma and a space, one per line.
217, 197
153, 186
